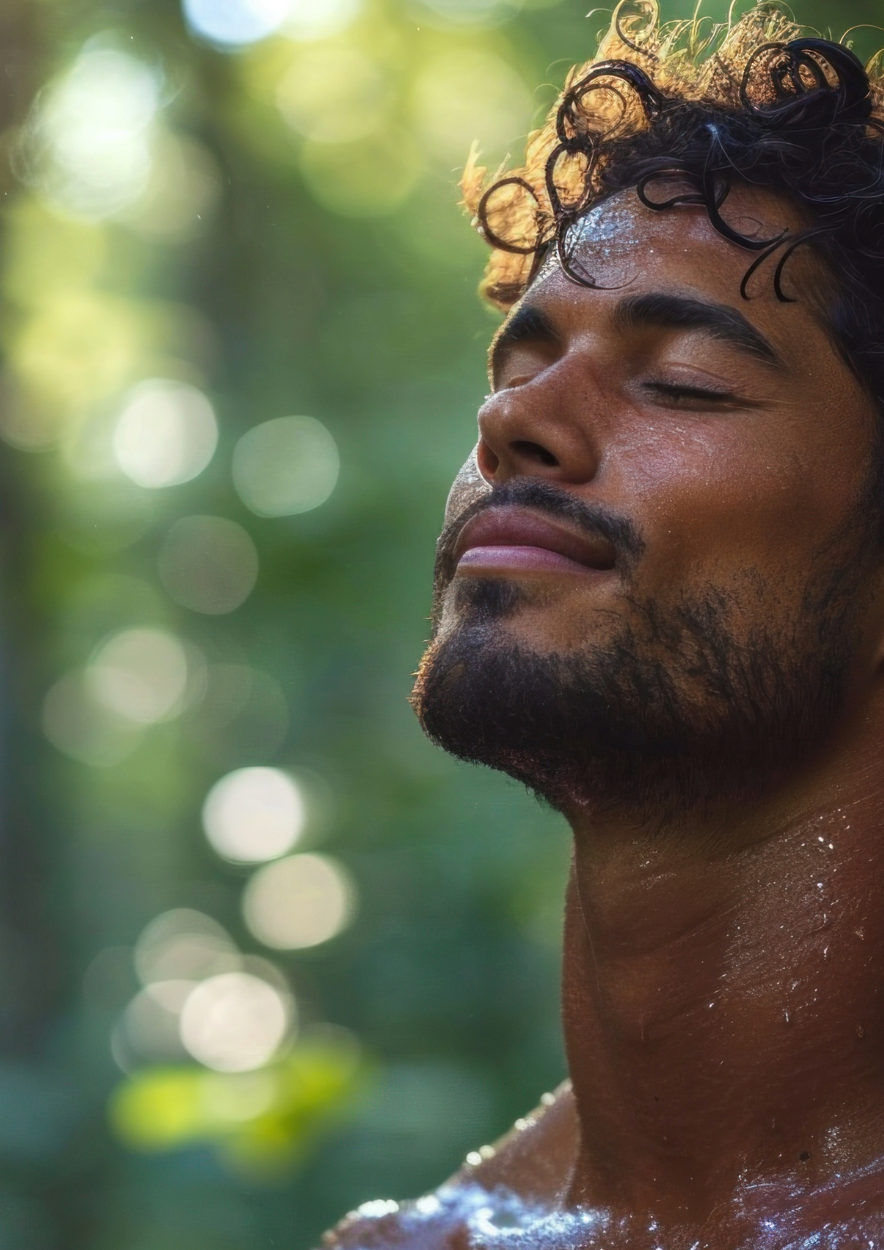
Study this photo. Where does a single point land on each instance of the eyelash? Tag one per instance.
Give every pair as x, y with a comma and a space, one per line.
672, 390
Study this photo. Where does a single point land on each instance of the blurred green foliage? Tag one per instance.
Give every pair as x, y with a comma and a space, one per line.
272, 225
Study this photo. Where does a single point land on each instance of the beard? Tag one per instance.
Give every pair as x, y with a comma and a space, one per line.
709, 698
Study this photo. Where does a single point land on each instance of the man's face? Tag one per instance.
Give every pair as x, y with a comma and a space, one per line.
658, 564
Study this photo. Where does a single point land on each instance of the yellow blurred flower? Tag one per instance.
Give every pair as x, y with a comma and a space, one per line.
260, 1121
77, 349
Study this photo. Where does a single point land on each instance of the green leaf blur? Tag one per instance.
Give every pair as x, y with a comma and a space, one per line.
266, 953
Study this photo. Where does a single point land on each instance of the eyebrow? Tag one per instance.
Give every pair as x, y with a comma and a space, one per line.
662, 311
656, 310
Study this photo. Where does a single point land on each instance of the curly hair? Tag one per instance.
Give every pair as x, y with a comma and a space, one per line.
758, 101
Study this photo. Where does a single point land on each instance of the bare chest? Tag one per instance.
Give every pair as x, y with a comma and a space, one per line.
463, 1217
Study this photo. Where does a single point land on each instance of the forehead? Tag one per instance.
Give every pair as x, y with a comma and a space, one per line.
624, 247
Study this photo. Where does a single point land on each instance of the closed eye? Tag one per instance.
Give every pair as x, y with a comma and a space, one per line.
677, 393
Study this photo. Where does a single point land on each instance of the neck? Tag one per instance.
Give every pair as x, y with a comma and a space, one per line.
722, 1002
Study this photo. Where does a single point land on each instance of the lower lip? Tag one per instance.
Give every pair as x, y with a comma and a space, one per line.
527, 559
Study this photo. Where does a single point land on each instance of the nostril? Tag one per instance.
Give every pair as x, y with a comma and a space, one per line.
486, 460
534, 452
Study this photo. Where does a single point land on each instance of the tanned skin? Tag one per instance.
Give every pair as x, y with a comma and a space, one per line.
723, 966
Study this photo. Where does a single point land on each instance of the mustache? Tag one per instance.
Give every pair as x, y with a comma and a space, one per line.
552, 501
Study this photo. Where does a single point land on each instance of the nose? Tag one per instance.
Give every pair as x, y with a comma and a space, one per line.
530, 431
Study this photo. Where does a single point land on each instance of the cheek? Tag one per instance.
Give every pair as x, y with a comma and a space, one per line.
731, 493
468, 486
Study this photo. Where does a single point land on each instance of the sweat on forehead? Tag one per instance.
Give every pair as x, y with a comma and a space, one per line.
619, 245
620, 234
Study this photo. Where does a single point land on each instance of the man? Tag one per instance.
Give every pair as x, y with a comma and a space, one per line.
660, 605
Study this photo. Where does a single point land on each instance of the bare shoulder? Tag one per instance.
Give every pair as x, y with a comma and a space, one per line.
528, 1168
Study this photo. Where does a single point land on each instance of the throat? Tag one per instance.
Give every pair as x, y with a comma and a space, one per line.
719, 1012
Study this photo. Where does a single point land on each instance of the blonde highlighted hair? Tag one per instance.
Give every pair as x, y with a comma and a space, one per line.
756, 98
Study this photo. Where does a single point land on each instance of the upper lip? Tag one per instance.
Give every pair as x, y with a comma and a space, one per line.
511, 526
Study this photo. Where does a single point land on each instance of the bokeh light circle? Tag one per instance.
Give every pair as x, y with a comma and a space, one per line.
166, 433
254, 814
234, 23
150, 1024
366, 179
88, 146
333, 94
84, 729
317, 19
473, 12
285, 466
184, 945
299, 902
235, 1022
140, 674
470, 95
208, 564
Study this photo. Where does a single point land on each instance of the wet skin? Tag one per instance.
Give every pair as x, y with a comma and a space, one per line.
723, 968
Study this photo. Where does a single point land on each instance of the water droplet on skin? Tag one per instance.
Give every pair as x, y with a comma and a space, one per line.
474, 1158
521, 1125
487, 1214
487, 1152
377, 1208
547, 1099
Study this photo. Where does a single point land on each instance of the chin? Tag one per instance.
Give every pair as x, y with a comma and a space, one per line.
673, 708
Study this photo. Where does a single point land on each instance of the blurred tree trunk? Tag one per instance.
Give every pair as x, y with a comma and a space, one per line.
28, 947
